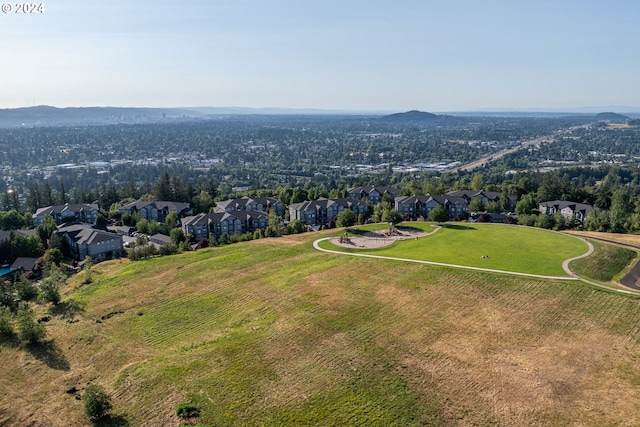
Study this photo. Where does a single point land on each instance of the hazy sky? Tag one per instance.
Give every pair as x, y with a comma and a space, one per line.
344, 54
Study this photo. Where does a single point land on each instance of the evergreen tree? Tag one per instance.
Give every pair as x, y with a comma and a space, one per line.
47, 196
63, 194
162, 190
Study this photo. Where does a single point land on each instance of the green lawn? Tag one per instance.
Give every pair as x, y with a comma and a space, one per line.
508, 248
608, 263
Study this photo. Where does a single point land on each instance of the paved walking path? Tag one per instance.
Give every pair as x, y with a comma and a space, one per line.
565, 266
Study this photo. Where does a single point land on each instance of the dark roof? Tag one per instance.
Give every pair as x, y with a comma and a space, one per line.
348, 202
241, 203
324, 203
469, 194
24, 263
160, 238
57, 209
158, 204
424, 198
122, 228
86, 234
561, 204
208, 218
369, 188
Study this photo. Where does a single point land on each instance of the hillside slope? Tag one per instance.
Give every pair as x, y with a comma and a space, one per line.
272, 332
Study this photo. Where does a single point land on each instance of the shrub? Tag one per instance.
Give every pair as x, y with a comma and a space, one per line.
6, 322
25, 288
50, 286
168, 249
29, 330
88, 263
187, 410
97, 403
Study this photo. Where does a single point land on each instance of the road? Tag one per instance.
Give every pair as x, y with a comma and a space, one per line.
525, 144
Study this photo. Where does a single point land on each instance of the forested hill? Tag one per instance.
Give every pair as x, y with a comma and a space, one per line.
613, 117
410, 116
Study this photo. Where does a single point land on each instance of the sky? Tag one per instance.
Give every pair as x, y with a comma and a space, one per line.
392, 55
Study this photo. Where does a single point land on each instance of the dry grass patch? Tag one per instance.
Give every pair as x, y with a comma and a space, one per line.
630, 239
284, 335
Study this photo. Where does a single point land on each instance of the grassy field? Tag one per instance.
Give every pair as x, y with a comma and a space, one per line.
607, 266
508, 248
272, 332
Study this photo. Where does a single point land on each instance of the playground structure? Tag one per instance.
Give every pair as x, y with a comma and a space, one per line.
378, 239
392, 231
346, 240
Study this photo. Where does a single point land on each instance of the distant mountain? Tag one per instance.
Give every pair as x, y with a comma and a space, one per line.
612, 117
410, 116
44, 115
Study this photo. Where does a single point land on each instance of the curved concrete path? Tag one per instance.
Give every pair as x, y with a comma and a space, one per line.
565, 263
565, 266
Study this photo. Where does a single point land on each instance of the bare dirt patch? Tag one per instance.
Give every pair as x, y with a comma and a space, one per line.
378, 239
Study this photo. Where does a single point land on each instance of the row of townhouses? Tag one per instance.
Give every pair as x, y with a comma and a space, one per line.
248, 214
215, 224
454, 202
323, 211
67, 213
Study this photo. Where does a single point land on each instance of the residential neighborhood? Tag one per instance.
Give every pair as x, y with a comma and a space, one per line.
80, 237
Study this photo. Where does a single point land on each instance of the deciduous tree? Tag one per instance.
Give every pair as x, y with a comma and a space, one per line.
97, 402
29, 330
438, 214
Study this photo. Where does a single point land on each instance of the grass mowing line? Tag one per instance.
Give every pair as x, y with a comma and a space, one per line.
316, 245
